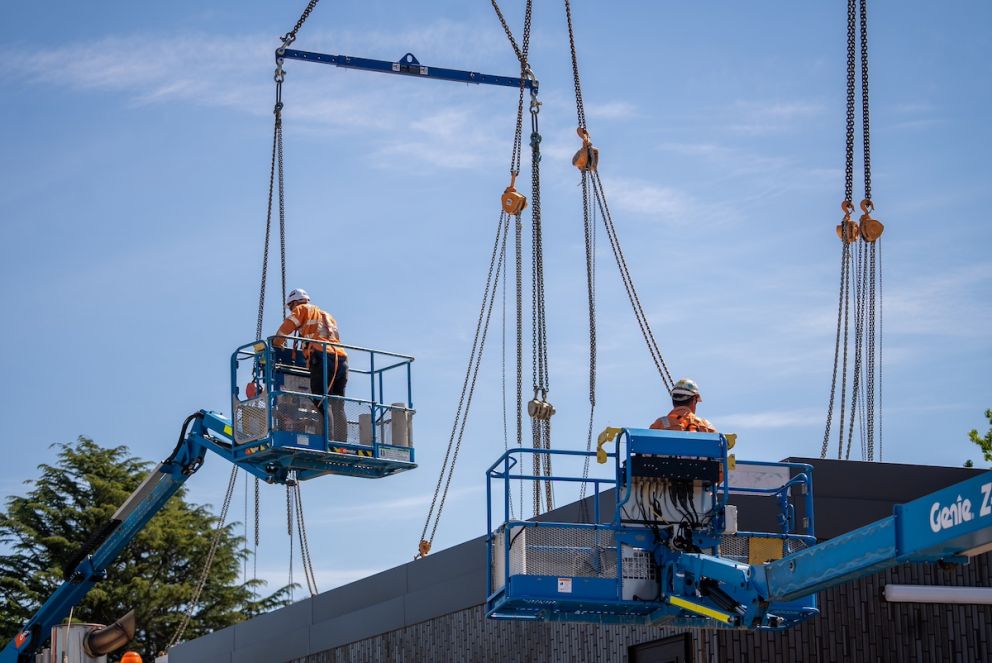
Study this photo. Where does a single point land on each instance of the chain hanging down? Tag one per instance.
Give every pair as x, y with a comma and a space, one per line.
594, 199
539, 408
860, 267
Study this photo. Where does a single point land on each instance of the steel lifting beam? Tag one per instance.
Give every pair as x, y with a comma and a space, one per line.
408, 65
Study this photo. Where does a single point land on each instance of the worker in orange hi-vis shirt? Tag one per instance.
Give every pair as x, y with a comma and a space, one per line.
685, 397
311, 322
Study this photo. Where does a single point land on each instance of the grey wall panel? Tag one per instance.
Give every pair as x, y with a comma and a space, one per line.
360, 594
217, 646
358, 625
468, 557
272, 625
453, 594
277, 646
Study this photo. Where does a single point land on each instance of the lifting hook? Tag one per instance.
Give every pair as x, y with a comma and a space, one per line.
871, 228
848, 229
540, 408
587, 158
512, 200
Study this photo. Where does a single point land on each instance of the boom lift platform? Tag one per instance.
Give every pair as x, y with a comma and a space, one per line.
671, 554
276, 435
279, 425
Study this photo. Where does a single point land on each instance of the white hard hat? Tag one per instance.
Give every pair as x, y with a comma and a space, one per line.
685, 388
298, 295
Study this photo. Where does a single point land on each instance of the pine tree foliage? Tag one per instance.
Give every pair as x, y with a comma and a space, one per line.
984, 442
41, 531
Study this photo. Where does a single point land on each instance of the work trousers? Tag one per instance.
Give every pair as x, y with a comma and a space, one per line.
337, 380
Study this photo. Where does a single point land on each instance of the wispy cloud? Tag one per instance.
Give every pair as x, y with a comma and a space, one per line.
663, 204
948, 304
612, 110
438, 126
755, 118
399, 508
801, 418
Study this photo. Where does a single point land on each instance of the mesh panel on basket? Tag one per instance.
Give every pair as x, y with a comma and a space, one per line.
250, 420
734, 548
563, 551
297, 414
737, 548
391, 425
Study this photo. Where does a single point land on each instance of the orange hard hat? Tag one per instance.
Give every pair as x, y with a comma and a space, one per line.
131, 657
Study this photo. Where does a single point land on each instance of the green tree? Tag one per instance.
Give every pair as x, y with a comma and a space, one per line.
156, 574
984, 442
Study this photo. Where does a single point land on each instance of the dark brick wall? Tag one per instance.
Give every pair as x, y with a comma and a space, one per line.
855, 626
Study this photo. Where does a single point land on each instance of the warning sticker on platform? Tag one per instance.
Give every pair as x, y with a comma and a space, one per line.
303, 440
565, 585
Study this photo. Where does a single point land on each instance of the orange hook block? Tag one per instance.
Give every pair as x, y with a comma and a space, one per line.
587, 158
848, 230
871, 228
513, 201
424, 548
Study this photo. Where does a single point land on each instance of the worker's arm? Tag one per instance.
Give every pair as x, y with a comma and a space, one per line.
288, 326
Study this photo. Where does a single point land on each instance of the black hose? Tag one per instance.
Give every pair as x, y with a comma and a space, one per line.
182, 436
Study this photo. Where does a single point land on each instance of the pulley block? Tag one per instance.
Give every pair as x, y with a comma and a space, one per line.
871, 228
540, 409
424, 547
848, 230
587, 158
512, 200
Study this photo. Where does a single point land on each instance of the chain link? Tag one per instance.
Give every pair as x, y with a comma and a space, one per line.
653, 349
865, 119
468, 384
841, 317
201, 583
289, 530
579, 105
290, 36
589, 230
304, 542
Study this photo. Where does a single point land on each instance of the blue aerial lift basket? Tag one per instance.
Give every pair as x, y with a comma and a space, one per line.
280, 427
669, 552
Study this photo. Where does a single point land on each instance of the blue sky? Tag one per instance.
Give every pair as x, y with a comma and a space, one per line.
137, 142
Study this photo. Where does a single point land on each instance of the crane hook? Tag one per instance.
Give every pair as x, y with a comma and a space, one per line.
512, 200
587, 158
871, 228
848, 229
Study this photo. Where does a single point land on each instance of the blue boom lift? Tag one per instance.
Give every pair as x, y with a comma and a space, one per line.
276, 434
277, 428
670, 552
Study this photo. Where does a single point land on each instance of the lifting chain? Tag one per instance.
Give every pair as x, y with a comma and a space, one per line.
589, 164
290, 37
512, 201
866, 268
219, 530
468, 390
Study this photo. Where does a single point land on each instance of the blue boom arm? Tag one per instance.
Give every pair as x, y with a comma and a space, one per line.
202, 431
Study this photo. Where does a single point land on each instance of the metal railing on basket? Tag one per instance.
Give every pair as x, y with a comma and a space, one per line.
277, 395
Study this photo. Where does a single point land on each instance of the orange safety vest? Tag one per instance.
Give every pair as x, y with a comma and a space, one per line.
683, 419
313, 323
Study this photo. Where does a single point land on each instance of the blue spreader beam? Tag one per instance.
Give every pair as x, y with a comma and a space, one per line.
408, 65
